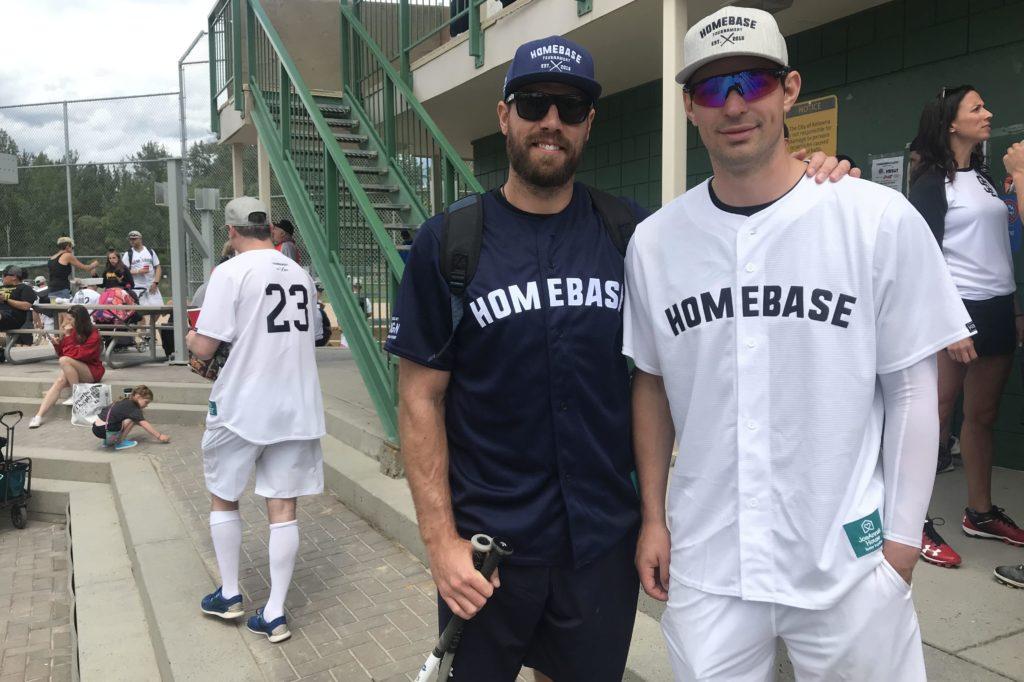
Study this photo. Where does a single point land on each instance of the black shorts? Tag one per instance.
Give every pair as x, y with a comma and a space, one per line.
99, 430
994, 318
570, 624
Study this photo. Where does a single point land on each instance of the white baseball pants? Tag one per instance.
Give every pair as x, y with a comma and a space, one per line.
871, 634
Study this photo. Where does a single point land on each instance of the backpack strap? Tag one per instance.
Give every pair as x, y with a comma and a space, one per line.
461, 239
617, 216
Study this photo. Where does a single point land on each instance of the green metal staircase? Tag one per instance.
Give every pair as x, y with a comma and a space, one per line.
357, 170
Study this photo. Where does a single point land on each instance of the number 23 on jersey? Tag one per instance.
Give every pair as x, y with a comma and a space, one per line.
279, 319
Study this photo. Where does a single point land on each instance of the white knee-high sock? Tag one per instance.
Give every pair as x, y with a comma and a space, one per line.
284, 546
226, 531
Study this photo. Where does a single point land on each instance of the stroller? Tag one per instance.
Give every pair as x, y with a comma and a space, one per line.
15, 474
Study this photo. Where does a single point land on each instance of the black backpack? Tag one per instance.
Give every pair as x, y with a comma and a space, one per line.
462, 236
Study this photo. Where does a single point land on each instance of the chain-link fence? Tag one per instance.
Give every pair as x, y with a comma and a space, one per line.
86, 169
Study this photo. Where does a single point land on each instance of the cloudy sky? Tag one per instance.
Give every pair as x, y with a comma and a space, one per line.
59, 50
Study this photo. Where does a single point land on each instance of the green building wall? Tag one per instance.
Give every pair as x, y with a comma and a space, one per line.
883, 64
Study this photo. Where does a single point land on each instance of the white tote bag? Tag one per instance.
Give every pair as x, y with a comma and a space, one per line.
88, 400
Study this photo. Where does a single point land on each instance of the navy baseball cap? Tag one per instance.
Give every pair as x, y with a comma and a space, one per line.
552, 60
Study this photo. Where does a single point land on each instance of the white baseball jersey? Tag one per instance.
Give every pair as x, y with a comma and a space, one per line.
976, 242
769, 332
264, 304
146, 256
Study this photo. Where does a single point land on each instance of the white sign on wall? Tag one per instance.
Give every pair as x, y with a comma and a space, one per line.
888, 171
8, 169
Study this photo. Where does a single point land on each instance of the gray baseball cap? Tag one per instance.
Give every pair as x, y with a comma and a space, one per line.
245, 212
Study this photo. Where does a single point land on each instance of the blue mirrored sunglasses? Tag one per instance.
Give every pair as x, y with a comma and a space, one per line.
751, 84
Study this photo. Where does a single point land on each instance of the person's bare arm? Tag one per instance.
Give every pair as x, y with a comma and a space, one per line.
73, 260
157, 274
653, 435
425, 453
203, 347
148, 428
19, 305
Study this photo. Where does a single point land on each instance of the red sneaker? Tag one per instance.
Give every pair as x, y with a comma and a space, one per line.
934, 549
993, 524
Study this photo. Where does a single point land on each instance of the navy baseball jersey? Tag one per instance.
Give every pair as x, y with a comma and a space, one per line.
538, 407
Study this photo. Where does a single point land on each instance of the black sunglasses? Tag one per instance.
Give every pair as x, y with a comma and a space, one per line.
534, 106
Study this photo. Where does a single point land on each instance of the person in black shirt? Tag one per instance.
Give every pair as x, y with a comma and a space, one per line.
16, 298
60, 267
115, 273
122, 416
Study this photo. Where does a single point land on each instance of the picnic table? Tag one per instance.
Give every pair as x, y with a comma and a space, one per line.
108, 331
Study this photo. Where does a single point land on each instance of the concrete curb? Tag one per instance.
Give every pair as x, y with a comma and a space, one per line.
169, 568
109, 648
157, 413
157, 563
180, 392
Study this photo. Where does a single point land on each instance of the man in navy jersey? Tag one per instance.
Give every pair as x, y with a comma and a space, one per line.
517, 423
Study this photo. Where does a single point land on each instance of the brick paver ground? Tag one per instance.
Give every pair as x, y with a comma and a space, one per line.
360, 606
35, 603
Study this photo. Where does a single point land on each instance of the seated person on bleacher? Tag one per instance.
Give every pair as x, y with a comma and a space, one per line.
16, 298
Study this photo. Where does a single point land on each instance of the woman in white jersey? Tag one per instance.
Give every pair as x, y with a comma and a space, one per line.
954, 193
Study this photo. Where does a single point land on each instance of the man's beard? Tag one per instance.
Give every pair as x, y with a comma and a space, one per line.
547, 175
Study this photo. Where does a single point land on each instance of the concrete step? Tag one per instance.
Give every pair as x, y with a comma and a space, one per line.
108, 648
173, 579
156, 413
188, 393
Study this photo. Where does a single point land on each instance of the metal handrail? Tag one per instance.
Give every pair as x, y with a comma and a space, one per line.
225, 57
395, 262
279, 94
400, 85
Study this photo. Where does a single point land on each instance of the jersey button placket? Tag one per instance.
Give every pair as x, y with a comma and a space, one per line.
753, 434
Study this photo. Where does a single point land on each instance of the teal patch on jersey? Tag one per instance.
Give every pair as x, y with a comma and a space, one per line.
865, 534
636, 481
213, 409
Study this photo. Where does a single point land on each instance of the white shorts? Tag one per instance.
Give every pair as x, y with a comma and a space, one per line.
147, 298
291, 468
871, 634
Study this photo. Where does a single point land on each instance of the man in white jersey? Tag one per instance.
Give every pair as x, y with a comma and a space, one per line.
774, 324
144, 265
265, 411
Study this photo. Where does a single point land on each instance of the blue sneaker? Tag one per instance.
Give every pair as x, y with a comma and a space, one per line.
276, 630
216, 604
125, 444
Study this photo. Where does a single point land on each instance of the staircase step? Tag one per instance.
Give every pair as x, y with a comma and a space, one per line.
382, 206
350, 138
335, 111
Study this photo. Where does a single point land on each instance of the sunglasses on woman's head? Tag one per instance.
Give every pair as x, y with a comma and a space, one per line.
534, 106
751, 84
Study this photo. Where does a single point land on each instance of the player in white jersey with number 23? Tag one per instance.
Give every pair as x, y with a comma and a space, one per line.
266, 410
775, 324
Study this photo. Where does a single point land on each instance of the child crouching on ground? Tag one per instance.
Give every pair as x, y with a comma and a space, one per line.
122, 416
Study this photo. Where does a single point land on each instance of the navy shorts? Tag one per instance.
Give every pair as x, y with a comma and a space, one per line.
570, 624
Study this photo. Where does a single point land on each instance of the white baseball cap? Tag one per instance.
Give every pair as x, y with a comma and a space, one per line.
245, 212
732, 32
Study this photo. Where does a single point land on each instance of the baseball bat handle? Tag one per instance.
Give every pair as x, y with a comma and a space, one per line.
499, 550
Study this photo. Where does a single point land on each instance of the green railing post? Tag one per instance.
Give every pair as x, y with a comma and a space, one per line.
348, 74
286, 109
250, 26
583, 7
211, 43
403, 41
447, 182
332, 218
476, 34
390, 144
236, 53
